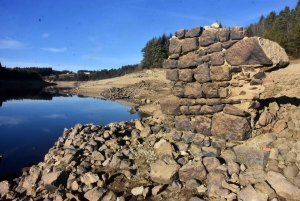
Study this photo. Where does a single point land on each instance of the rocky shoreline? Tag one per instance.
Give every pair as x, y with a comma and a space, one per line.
147, 160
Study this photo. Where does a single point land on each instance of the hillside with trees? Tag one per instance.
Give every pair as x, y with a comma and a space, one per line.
155, 52
284, 28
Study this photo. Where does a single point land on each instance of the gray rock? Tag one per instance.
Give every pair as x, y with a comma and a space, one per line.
290, 172
264, 188
202, 125
180, 33
175, 46
89, 178
224, 34
220, 73
52, 180
183, 123
250, 157
210, 152
170, 106
282, 186
137, 190
217, 59
214, 185
193, 90
188, 137
191, 184
208, 37
169, 63
194, 32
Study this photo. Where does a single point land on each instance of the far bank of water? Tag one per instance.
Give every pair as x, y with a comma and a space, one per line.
29, 128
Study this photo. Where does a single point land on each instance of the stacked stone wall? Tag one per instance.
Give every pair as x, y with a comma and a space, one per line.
216, 75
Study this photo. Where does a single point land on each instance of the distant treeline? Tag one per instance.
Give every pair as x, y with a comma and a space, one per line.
13, 74
85, 75
284, 28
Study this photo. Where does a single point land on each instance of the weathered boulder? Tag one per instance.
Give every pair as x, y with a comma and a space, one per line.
249, 194
189, 60
175, 46
255, 50
170, 63
172, 75
193, 32
208, 36
230, 127
52, 180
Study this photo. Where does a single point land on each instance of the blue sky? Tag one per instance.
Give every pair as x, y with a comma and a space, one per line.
105, 34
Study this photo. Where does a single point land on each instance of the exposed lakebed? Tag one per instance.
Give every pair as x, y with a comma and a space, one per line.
29, 128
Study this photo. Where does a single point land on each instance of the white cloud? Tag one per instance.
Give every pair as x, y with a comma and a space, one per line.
8, 43
9, 120
54, 116
55, 49
45, 35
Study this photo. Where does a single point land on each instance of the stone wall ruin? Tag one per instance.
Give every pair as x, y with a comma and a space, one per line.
217, 75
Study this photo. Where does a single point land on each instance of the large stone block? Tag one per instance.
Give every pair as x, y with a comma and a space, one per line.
183, 123
172, 75
220, 73
194, 32
169, 63
230, 127
202, 125
257, 51
175, 46
189, 44
186, 75
205, 109
210, 90
208, 37
224, 34
195, 110
217, 58
202, 73
189, 60
237, 33
170, 106
193, 90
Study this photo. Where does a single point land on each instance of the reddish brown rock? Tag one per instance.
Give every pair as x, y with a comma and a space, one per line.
214, 185
230, 127
183, 123
178, 89
279, 126
230, 109
195, 170
211, 163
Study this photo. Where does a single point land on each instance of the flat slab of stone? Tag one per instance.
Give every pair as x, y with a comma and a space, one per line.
282, 186
163, 173
250, 157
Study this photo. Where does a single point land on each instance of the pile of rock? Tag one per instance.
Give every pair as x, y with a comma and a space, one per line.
139, 160
215, 74
117, 93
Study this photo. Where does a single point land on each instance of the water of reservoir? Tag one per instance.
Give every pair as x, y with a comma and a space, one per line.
30, 127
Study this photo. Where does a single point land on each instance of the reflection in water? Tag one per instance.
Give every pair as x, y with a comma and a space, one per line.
29, 128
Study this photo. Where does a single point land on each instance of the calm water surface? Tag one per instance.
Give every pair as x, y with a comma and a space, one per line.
29, 128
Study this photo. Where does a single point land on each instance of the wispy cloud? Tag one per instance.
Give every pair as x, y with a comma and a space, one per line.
45, 35
54, 116
96, 57
4, 120
55, 49
9, 43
